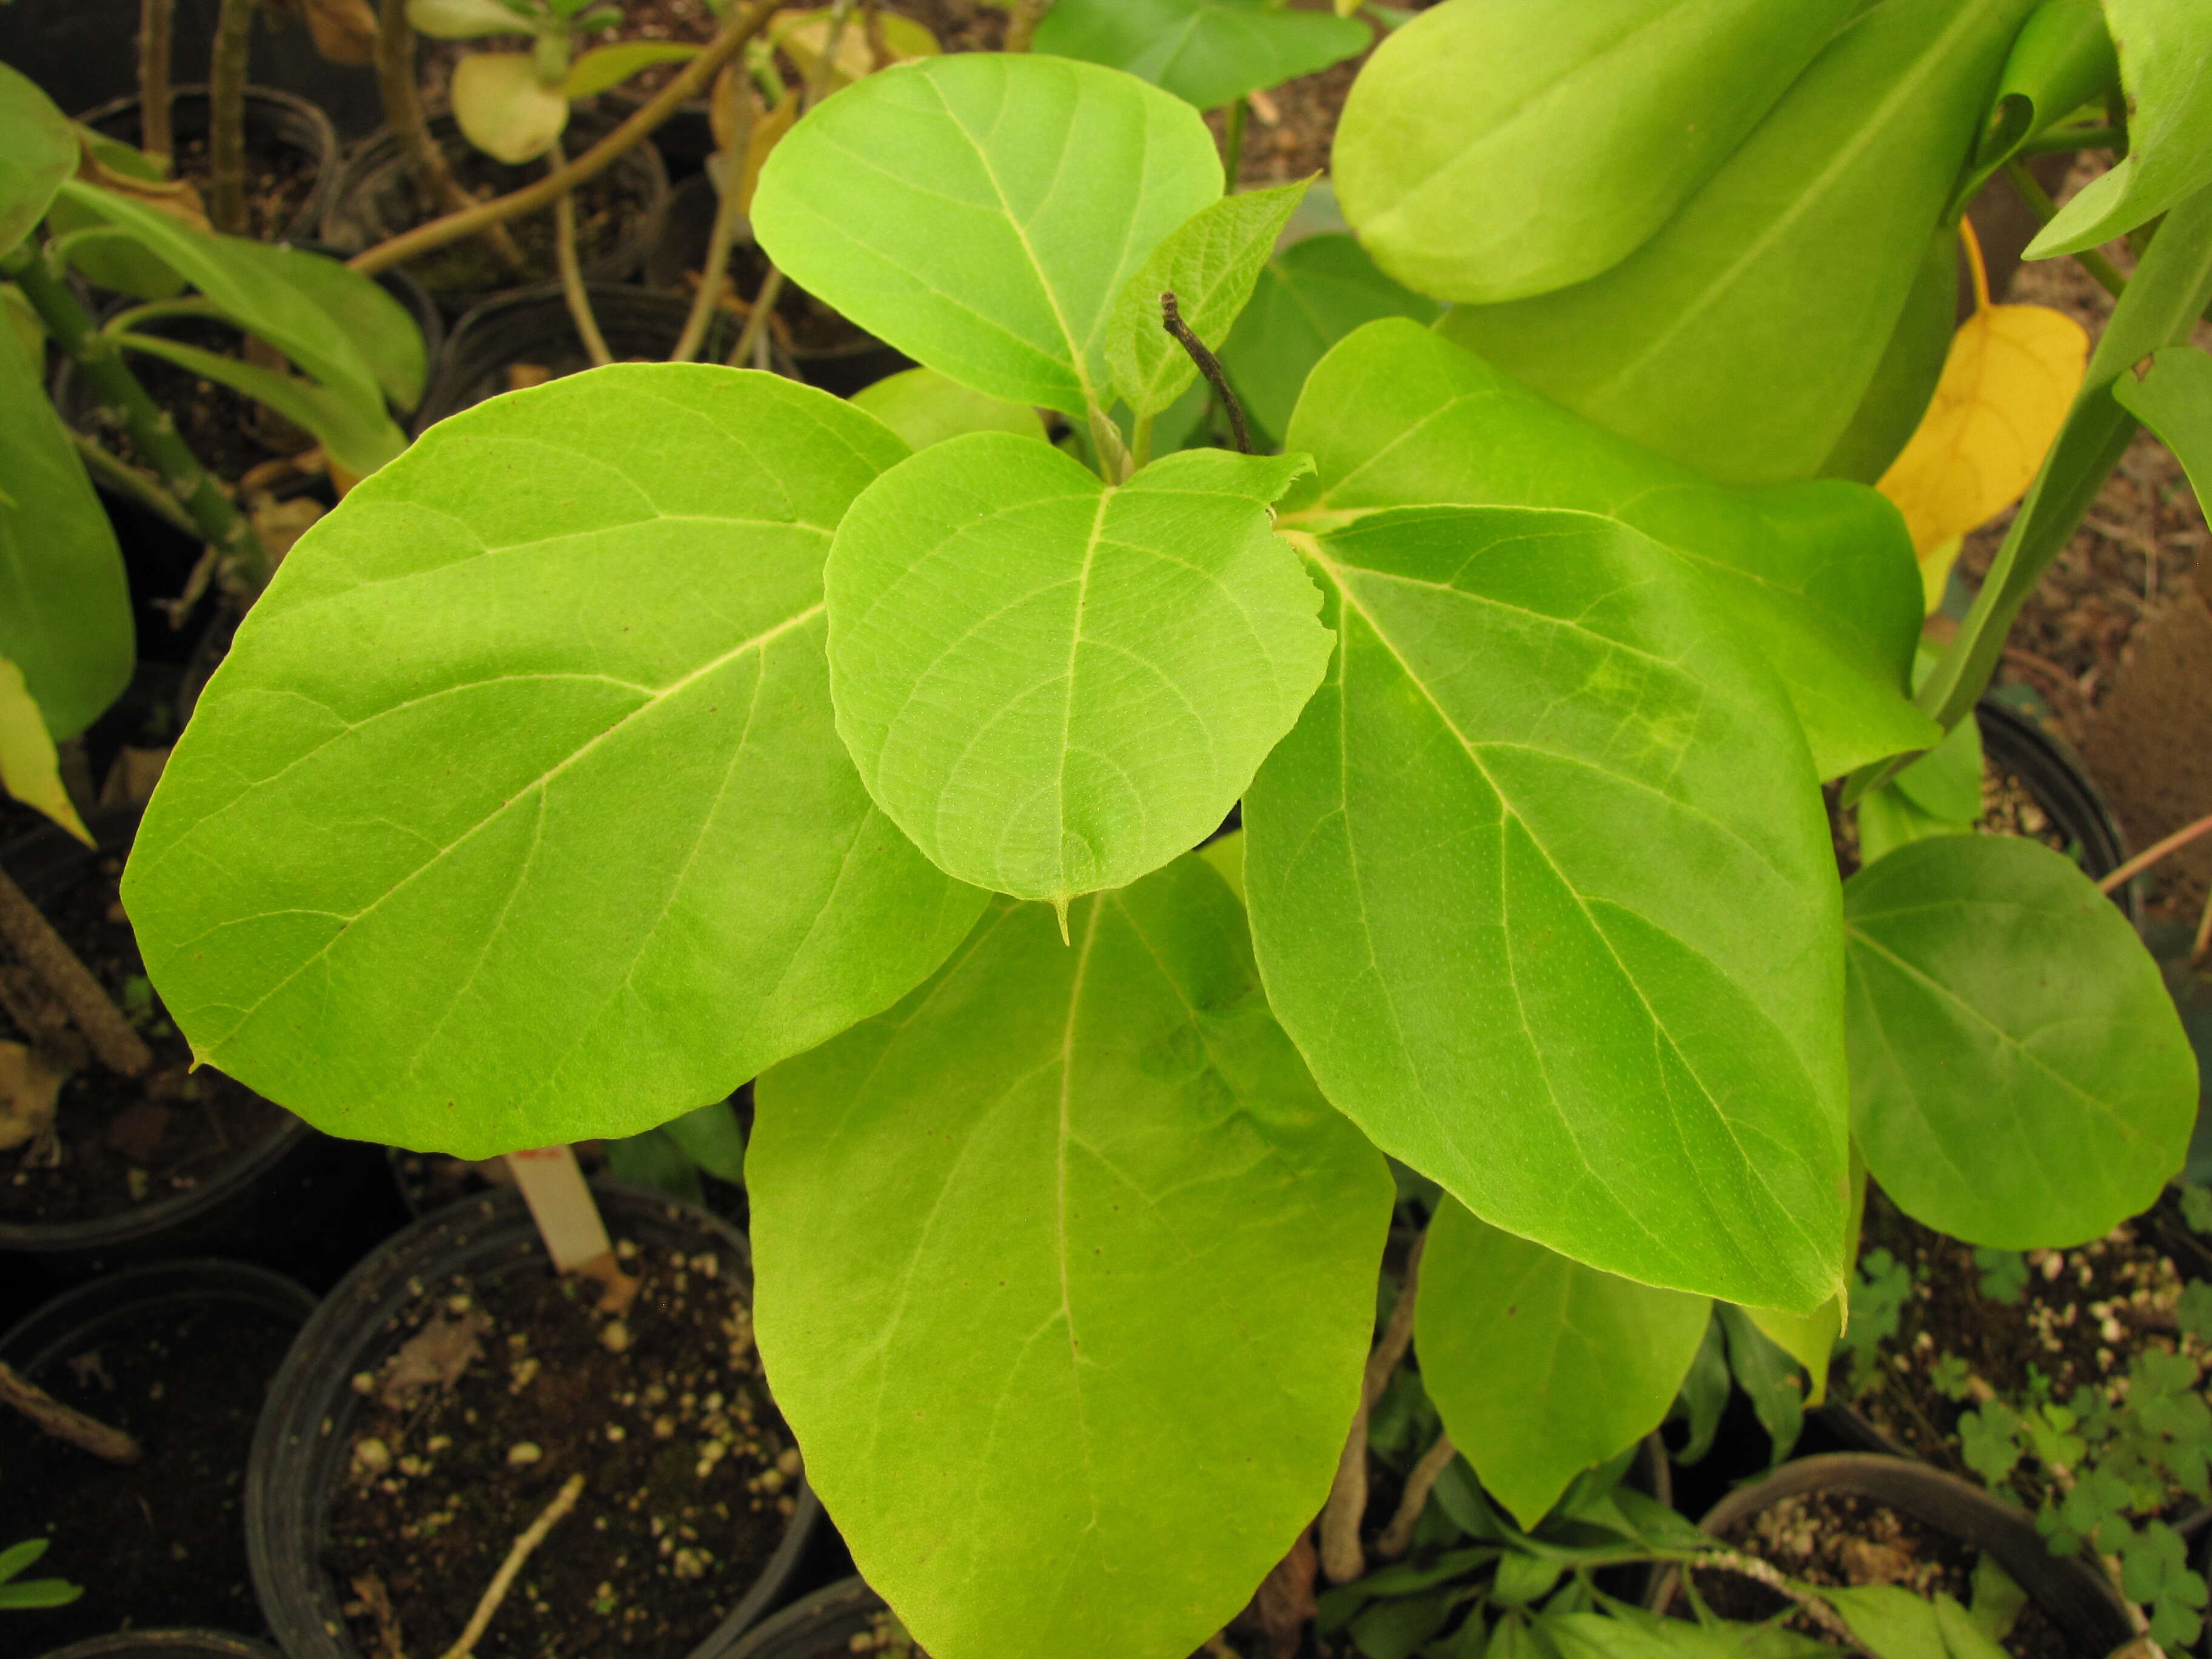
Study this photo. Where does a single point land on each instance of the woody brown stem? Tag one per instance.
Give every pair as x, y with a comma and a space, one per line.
234, 41
1341, 1557
64, 1422
434, 183
1398, 1536
31, 938
155, 20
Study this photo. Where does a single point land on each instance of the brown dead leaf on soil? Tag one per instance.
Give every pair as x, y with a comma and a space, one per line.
434, 1357
30, 1084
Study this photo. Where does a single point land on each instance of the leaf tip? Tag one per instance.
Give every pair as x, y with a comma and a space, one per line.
1060, 909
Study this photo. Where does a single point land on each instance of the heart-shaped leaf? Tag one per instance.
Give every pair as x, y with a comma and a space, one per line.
1543, 889
1053, 685
1819, 576
925, 408
1072, 1366
1210, 264
38, 151
400, 873
1541, 1367
953, 208
1782, 279
1492, 151
2019, 1076
1208, 52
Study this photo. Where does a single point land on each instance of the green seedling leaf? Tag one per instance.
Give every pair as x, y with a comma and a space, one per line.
1997, 1599
1093, 1414
38, 153
1210, 263
2166, 65
1888, 821
2173, 398
1053, 685
1489, 151
1578, 966
64, 601
1768, 1375
1895, 1622
1782, 279
1540, 1366
398, 875
1905, 379
712, 1139
953, 207
1207, 51
505, 107
609, 66
359, 438
2019, 1076
30, 770
1946, 782
249, 287
2061, 60
378, 326
1989, 1442
2003, 1274
925, 408
1820, 576
1306, 299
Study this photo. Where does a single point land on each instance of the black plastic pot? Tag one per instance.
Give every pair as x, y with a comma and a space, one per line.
374, 198
213, 1213
841, 370
817, 1626
79, 1321
2080, 1602
274, 120
301, 1446
533, 326
2047, 768
166, 1644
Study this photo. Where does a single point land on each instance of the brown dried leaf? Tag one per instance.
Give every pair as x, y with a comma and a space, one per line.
434, 1357
30, 1084
344, 31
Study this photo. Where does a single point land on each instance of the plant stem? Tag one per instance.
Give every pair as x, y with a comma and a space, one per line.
153, 430
2150, 855
110, 1445
2041, 204
1398, 1536
154, 134
125, 479
402, 99
233, 40
714, 276
742, 25
1232, 143
1342, 1556
2057, 142
572, 271
2202, 945
1208, 365
495, 1592
1021, 27
46, 953
771, 290
1140, 443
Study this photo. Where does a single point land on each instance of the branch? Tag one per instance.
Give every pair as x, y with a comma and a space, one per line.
495, 1592
1398, 1536
2150, 855
1341, 1557
154, 134
572, 273
233, 40
32, 939
63, 1422
1765, 1572
1208, 365
402, 99
543, 192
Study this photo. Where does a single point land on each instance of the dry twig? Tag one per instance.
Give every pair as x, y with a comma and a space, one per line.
32, 939
495, 1592
66, 1422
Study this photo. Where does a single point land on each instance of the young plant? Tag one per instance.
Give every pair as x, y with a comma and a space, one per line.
18, 1592
694, 725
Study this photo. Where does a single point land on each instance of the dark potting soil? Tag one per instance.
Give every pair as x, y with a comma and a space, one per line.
1843, 1540
2076, 1322
124, 1141
687, 1470
605, 208
162, 1542
228, 432
279, 179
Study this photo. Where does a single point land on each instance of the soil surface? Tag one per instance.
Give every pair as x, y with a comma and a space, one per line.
605, 210
162, 1542
1843, 1540
689, 1472
2077, 1321
123, 1142
279, 178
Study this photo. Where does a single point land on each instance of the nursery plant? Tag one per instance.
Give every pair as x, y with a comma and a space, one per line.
17, 1591
670, 724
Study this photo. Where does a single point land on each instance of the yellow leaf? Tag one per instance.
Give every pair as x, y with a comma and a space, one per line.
504, 109
2012, 374
767, 130
1935, 571
29, 769
805, 36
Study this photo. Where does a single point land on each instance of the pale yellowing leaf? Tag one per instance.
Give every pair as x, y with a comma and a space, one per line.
344, 31
805, 36
504, 109
768, 130
609, 66
30, 1084
29, 769
2012, 374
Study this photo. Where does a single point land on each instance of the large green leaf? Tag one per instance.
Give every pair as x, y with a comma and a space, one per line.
64, 602
1493, 150
249, 286
1820, 577
1053, 685
1542, 887
1895, 1622
1541, 1367
1742, 337
1210, 264
38, 151
925, 408
1208, 52
983, 212
1905, 379
2172, 396
1066, 1279
379, 326
2062, 59
359, 438
516, 814
2166, 64
2019, 1076
1307, 298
